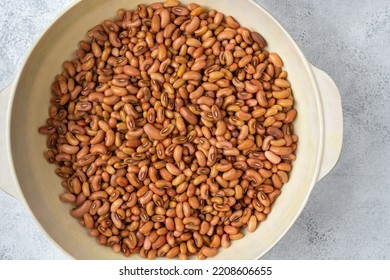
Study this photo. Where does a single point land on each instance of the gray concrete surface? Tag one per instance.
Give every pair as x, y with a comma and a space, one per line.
347, 216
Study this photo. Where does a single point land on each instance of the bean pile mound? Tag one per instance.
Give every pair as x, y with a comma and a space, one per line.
171, 130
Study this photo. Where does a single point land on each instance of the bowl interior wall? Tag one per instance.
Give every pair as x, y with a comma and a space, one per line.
41, 187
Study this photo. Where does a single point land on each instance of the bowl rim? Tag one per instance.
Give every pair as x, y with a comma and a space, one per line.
74, 5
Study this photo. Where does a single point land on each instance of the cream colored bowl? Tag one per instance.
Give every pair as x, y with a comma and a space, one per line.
27, 176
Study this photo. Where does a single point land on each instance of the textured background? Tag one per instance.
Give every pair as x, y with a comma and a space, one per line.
347, 216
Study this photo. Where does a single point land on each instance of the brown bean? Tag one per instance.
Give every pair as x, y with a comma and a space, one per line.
252, 224
290, 116
69, 149
173, 169
178, 43
282, 83
259, 39
153, 132
263, 198
274, 58
171, 3
162, 52
230, 230
209, 252
199, 65
281, 151
193, 42
246, 144
192, 75
221, 128
188, 115
254, 177
230, 175
70, 68
193, 25
216, 75
180, 11
232, 23
174, 252
116, 204
236, 236
275, 159
147, 227
98, 195
225, 241
131, 71
244, 61
68, 197
88, 220
81, 210
98, 149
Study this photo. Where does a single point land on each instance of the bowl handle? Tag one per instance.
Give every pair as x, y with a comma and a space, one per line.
7, 183
333, 121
